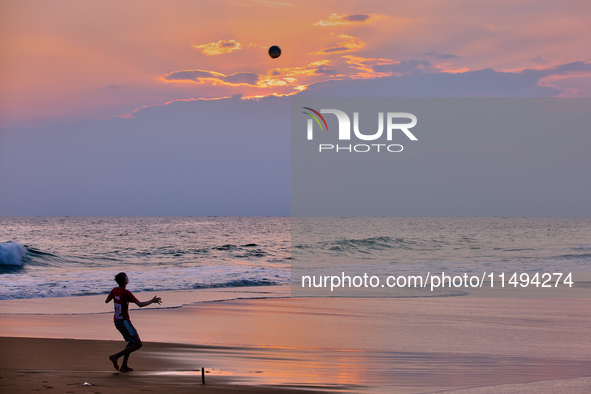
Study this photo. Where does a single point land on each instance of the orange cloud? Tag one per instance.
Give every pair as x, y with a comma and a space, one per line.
451, 70
299, 78
202, 76
282, 80
351, 44
289, 76
218, 48
379, 67
367, 66
335, 19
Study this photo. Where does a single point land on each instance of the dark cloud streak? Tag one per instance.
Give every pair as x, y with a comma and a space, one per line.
337, 49
442, 57
356, 17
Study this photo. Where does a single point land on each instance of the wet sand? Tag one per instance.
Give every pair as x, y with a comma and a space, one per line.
65, 365
354, 345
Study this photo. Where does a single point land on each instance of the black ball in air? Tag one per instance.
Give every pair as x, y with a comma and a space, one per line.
274, 52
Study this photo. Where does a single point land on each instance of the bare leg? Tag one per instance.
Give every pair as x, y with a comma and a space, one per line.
125, 353
124, 367
114, 361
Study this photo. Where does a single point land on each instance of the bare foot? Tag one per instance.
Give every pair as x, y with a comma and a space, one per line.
114, 361
125, 369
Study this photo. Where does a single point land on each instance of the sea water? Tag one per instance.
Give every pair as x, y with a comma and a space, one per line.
462, 244
72, 256
438, 257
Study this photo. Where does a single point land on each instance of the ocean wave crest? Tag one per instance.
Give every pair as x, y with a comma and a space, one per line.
12, 255
239, 283
372, 244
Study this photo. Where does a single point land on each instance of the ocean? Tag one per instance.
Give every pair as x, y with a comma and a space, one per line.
439, 257
75, 256
72, 256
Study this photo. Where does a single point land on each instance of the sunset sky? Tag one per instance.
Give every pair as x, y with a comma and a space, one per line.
174, 107
66, 60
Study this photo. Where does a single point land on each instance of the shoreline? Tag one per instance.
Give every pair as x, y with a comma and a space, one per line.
94, 304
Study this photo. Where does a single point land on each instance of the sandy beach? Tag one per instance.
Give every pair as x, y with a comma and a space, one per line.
260, 340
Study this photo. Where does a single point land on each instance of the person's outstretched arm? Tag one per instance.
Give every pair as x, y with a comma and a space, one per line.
155, 300
109, 297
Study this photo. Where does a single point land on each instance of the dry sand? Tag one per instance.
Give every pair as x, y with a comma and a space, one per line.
421, 345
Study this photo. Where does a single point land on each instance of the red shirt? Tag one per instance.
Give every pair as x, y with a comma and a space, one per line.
121, 298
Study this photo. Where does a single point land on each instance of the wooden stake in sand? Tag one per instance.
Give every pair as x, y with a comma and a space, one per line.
202, 375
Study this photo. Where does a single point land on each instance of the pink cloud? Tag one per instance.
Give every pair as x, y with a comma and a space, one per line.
350, 44
218, 48
335, 19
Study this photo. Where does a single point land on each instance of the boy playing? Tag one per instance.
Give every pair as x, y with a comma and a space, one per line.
121, 298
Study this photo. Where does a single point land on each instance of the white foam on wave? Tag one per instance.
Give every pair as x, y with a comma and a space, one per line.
49, 283
12, 254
